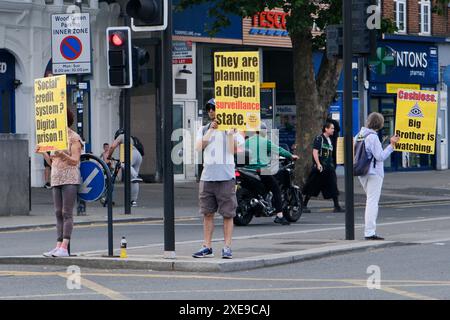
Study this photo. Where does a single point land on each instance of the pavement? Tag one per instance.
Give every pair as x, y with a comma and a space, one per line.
253, 251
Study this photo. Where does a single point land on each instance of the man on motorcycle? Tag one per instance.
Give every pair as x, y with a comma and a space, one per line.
259, 147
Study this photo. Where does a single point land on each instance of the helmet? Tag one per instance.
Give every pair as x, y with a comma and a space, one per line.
118, 133
263, 126
211, 104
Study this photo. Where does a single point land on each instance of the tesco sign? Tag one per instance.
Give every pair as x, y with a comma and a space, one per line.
270, 19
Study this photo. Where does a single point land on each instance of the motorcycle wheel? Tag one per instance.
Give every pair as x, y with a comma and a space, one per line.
243, 216
292, 204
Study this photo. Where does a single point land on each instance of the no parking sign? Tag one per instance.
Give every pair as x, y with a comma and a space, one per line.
71, 43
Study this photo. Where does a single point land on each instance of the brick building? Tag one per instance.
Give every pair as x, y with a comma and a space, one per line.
413, 57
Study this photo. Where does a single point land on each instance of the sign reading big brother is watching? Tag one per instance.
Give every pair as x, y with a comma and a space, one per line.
415, 121
51, 115
237, 94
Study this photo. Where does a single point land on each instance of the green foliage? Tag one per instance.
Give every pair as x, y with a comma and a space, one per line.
441, 7
303, 12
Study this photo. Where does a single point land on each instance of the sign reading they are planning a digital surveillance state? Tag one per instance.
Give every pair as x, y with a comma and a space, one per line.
237, 90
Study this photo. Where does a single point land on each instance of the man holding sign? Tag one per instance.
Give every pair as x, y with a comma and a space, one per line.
237, 93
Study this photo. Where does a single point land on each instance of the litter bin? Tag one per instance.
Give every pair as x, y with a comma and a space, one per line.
14, 175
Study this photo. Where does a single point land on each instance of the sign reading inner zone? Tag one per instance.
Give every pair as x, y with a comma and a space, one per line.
71, 43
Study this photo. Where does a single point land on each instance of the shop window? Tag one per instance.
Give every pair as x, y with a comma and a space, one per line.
425, 17
278, 68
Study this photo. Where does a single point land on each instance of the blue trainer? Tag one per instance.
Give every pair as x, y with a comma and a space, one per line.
226, 253
204, 252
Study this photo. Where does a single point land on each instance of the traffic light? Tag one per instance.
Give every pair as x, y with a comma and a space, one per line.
364, 39
140, 57
148, 15
119, 57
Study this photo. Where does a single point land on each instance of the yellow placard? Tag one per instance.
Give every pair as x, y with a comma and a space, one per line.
50, 104
393, 87
340, 150
415, 121
237, 90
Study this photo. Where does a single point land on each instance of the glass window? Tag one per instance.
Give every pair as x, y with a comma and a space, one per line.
425, 17
400, 16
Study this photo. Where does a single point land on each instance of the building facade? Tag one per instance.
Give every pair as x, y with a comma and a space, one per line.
417, 55
410, 58
25, 53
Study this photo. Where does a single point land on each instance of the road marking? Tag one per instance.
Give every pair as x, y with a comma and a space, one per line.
113, 295
84, 282
389, 286
402, 293
390, 283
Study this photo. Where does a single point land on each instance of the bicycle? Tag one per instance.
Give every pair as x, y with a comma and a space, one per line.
115, 171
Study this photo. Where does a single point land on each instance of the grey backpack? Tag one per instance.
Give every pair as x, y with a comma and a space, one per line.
361, 161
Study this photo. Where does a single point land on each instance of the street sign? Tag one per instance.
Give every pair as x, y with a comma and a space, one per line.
71, 48
71, 43
92, 181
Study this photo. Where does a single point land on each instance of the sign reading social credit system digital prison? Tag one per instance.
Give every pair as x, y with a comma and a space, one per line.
71, 43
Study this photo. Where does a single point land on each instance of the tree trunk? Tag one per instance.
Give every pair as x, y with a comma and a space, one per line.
312, 97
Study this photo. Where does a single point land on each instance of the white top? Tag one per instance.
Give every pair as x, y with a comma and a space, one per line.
218, 162
375, 149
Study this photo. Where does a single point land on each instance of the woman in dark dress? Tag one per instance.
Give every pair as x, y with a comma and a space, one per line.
323, 174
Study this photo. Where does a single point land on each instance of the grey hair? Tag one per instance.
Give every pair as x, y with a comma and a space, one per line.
375, 121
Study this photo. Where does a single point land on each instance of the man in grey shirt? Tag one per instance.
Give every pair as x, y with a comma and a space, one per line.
217, 191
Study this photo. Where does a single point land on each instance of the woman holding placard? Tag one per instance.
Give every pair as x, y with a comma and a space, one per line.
65, 179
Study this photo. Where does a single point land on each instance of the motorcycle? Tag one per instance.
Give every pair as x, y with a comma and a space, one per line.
255, 199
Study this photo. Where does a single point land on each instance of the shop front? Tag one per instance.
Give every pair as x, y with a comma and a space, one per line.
405, 65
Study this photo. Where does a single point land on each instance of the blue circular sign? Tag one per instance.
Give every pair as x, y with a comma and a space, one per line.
92, 181
71, 47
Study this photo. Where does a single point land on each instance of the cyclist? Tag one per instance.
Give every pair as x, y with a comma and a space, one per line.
136, 160
259, 147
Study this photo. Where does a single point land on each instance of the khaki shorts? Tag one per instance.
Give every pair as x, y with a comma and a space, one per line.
218, 196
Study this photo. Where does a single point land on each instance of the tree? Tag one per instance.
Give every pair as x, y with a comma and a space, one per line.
313, 93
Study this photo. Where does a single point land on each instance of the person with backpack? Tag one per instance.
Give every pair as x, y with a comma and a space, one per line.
322, 178
368, 166
136, 160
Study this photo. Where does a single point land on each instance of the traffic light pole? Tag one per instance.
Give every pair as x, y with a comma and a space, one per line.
127, 153
81, 207
167, 105
348, 123
127, 145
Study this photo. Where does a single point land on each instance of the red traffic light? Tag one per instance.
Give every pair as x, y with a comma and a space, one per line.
117, 39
